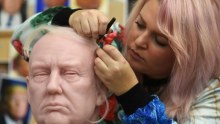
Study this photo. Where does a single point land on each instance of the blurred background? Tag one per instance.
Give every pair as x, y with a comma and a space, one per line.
14, 108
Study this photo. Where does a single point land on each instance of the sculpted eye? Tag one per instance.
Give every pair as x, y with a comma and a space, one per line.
40, 76
20, 98
71, 75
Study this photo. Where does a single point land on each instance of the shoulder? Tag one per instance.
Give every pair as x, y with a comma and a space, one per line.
206, 108
210, 95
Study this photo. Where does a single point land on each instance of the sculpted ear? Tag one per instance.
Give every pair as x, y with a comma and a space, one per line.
101, 94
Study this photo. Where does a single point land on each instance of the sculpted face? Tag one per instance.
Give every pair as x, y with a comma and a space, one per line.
17, 103
12, 6
62, 88
52, 3
89, 4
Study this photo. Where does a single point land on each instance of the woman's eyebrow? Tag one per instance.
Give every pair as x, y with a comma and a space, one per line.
142, 19
149, 28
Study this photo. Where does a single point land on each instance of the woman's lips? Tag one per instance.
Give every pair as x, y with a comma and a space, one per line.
134, 55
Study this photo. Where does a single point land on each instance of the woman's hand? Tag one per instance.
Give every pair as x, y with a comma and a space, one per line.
114, 71
89, 23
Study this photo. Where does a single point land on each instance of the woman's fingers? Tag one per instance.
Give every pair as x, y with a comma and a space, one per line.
85, 26
113, 52
103, 22
90, 23
94, 27
100, 65
104, 57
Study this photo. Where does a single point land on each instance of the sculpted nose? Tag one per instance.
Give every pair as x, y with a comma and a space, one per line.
54, 84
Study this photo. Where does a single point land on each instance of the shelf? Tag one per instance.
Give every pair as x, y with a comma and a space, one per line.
5, 37
5, 33
3, 62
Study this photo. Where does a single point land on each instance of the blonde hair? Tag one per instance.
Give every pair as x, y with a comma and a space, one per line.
40, 31
193, 30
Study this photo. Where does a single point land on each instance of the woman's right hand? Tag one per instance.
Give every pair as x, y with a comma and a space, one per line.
114, 71
90, 23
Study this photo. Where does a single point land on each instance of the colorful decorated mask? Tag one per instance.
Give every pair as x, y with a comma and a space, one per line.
24, 46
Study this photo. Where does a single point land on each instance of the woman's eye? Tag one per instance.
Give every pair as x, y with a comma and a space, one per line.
161, 41
140, 25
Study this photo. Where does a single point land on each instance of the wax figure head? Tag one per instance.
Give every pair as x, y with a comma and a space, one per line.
89, 4
52, 3
14, 98
12, 6
62, 85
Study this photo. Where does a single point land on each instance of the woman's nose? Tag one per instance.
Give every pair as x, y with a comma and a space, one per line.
141, 40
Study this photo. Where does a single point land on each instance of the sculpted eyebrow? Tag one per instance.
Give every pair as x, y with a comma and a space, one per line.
39, 66
70, 64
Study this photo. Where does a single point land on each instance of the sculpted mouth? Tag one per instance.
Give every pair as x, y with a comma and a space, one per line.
54, 104
54, 107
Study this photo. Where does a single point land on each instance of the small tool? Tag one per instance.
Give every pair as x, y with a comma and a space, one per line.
108, 27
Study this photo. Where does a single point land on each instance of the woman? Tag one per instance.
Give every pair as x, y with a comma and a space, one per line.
172, 46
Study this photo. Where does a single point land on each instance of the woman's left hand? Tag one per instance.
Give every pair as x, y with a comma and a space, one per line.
114, 71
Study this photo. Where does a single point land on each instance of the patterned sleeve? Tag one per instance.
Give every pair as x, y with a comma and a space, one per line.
152, 113
206, 108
